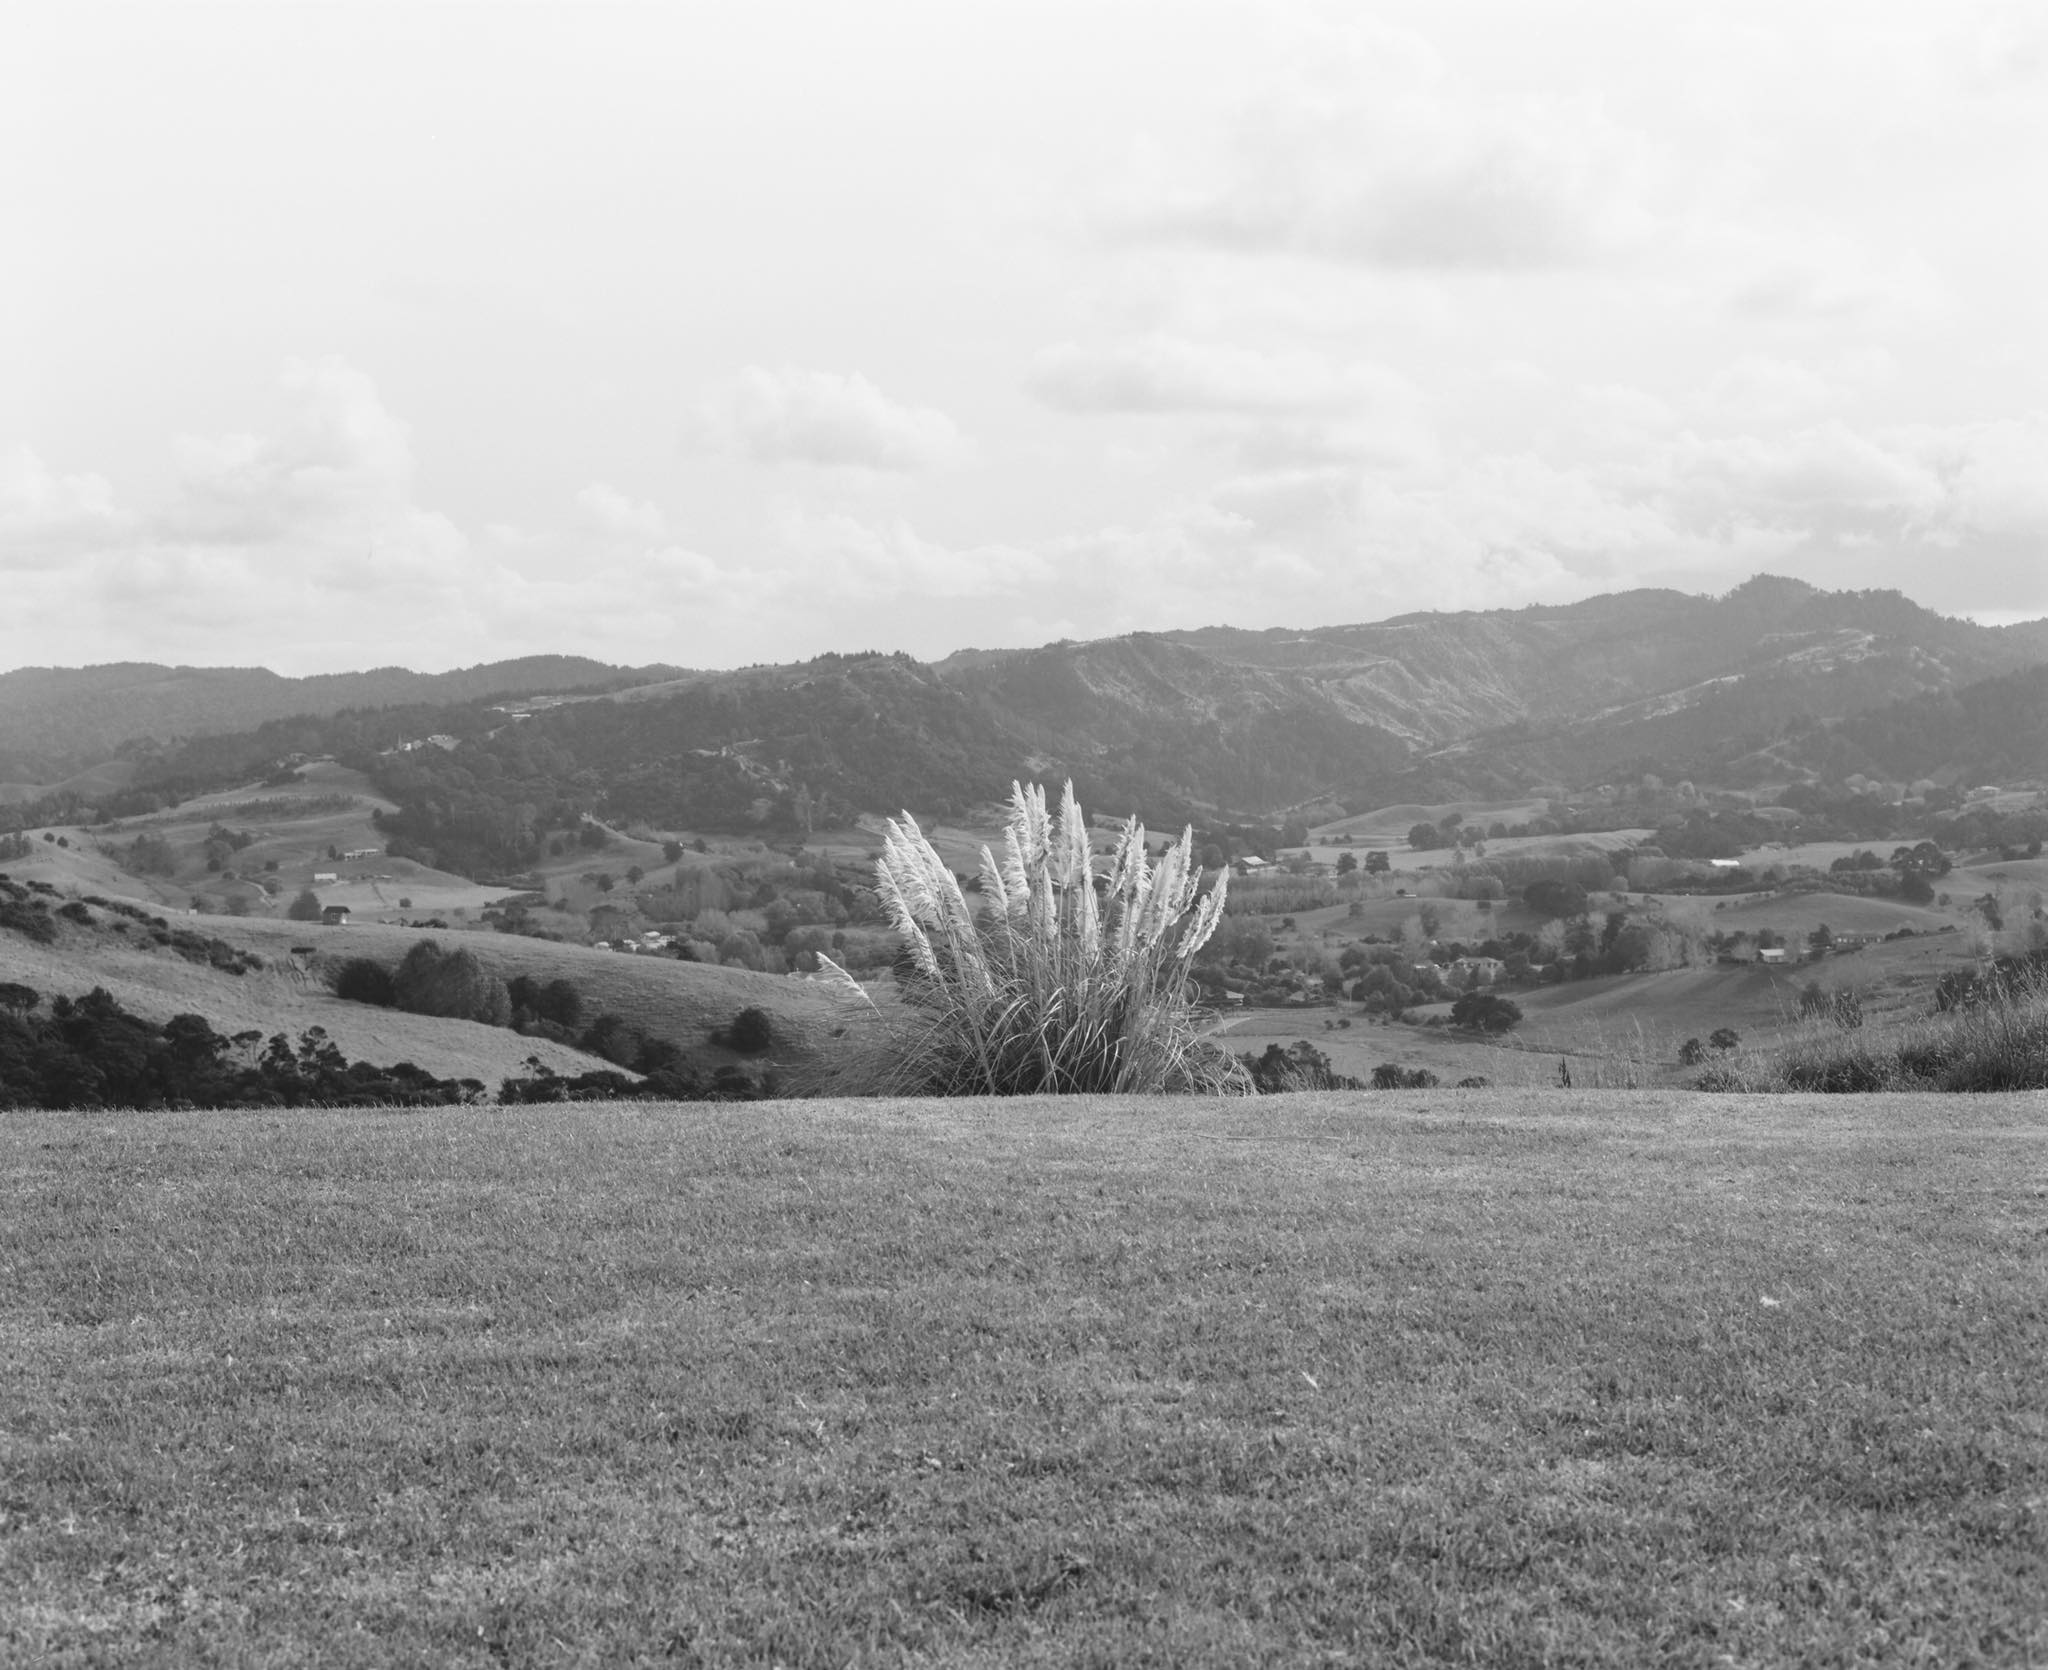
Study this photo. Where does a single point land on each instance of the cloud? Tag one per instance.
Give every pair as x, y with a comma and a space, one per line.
843, 556
792, 416
1161, 373
1366, 150
46, 519
610, 511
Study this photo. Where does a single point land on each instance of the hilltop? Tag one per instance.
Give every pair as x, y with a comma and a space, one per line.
55, 721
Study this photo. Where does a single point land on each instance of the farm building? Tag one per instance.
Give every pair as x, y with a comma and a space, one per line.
335, 916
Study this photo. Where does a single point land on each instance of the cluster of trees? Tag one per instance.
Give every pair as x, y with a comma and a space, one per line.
453, 985
1909, 874
89, 1052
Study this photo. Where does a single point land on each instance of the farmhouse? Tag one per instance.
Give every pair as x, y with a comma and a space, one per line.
335, 916
1771, 954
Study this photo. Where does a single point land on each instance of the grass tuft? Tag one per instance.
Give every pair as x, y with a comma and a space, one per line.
1065, 982
1998, 1041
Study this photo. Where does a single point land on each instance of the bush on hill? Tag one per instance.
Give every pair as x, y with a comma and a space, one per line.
364, 980
451, 985
89, 1052
1485, 1012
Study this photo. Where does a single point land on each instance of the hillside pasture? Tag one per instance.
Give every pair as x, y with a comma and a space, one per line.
2021, 874
1407, 861
1398, 1378
658, 996
1800, 913
1369, 1041
1809, 855
287, 995
1388, 824
295, 825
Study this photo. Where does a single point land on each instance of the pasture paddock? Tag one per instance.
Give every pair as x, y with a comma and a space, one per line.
1603, 1379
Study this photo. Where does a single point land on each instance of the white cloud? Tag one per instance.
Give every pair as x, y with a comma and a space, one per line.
792, 416
1159, 373
47, 519
1368, 149
612, 512
843, 556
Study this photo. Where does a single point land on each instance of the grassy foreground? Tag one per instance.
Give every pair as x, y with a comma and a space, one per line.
1400, 1378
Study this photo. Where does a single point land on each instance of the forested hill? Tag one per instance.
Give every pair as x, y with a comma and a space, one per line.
1989, 732
1775, 682
56, 720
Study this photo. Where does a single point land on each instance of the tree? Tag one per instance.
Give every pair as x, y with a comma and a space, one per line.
1377, 863
1423, 837
751, 1032
1724, 1038
305, 908
1555, 898
1691, 1053
1485, 1012
672, 850
1346, 863
451, 984
1821, 940
362, 980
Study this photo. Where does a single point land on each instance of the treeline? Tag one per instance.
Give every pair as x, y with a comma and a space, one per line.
89, 1052
453, 985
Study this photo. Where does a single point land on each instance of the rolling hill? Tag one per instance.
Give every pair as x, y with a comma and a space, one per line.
1774, 682
56, 720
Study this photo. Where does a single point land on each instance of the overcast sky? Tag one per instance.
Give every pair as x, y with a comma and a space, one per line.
335, 335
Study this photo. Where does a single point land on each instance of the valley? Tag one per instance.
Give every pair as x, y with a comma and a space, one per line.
680, 847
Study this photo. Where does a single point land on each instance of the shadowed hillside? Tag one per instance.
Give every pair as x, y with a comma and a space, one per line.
52, 718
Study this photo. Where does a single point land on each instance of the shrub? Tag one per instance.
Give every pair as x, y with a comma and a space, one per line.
450, 984
614, 1038
751, 1032
362, 980
1485, 1012
305, 908
1068, 982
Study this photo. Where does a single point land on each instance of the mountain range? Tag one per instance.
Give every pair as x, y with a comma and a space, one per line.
1775, 681
56, 720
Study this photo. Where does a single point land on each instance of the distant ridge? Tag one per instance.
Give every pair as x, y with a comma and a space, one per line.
54, 720
1749, 687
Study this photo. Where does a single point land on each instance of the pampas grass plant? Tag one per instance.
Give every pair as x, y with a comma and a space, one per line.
1064, 981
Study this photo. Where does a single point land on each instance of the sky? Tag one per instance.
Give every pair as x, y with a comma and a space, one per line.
343, 335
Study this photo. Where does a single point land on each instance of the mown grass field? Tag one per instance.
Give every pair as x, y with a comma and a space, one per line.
1495, 1378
